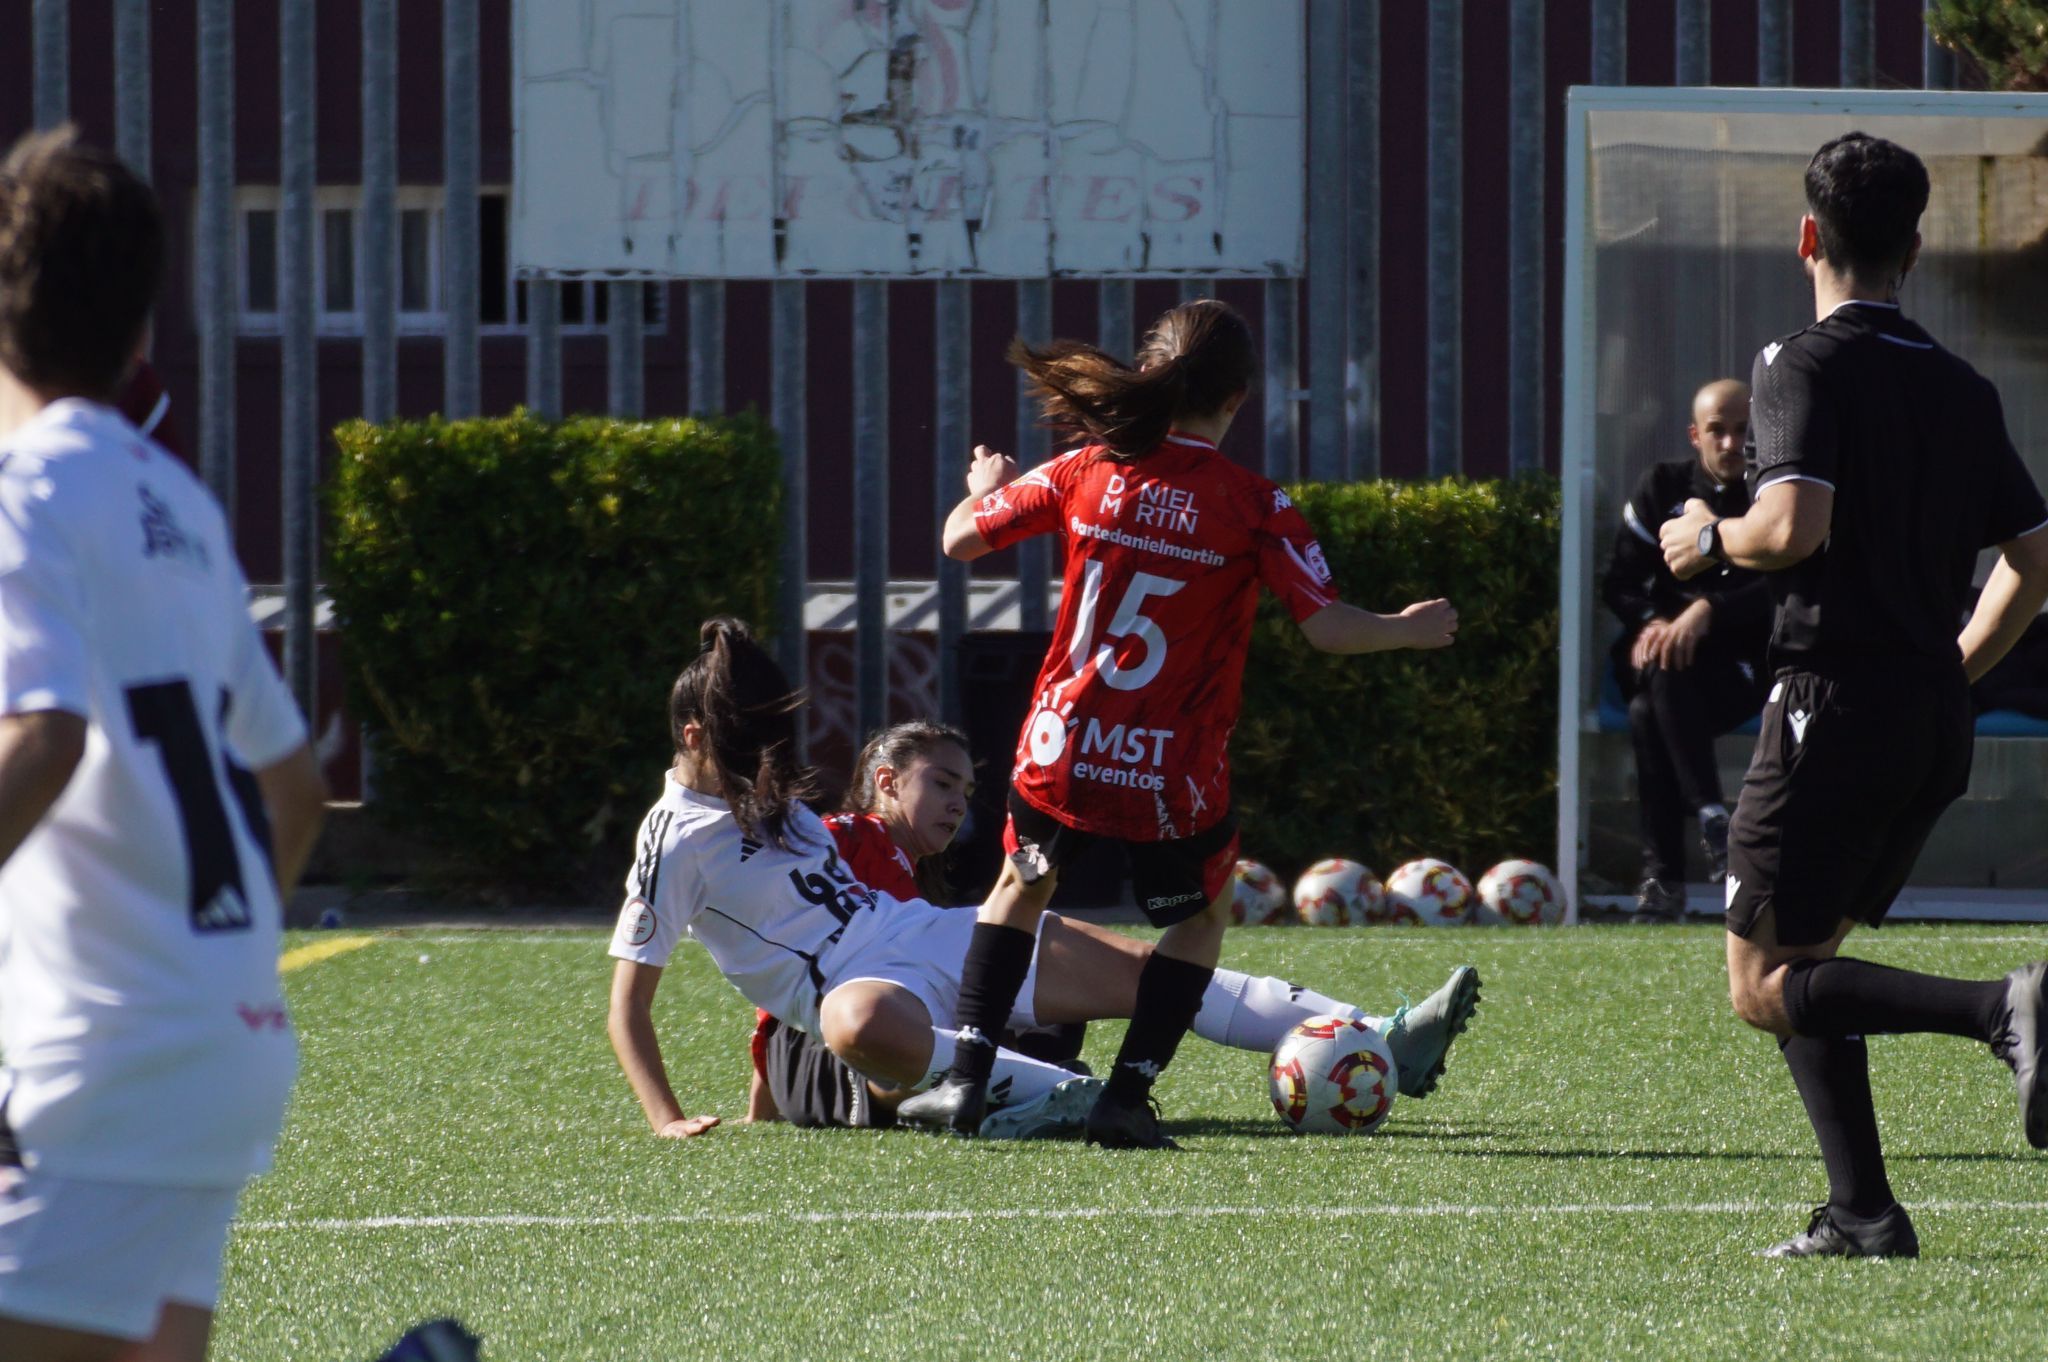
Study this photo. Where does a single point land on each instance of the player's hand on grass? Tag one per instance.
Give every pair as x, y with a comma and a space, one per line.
991, 469
685, 1127
1431, 624
1680, 539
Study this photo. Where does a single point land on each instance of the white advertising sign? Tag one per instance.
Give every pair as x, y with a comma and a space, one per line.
837, 138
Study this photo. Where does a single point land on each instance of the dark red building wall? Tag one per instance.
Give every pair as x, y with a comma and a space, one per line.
912, 500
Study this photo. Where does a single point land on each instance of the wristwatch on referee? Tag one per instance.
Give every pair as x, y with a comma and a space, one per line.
1710, 543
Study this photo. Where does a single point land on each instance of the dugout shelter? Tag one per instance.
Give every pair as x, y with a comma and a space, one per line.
1682, 213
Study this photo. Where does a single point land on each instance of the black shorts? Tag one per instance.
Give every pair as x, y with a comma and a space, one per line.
814, 1087
1173, 880
1850, 775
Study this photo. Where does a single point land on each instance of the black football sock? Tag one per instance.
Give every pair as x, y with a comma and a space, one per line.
998, 958
1169, 994
1833, 1078
1843, 997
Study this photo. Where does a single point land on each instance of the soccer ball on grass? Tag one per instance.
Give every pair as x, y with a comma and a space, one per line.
1257, 898
1336, 893
1429, 893
1333, 1076
1521, 894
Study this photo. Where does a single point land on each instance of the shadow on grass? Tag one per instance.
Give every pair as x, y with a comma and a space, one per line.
1253, 1128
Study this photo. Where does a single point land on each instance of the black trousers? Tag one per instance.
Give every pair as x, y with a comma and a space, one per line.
1673, 721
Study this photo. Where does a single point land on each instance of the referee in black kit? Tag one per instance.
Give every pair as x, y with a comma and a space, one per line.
1879, 467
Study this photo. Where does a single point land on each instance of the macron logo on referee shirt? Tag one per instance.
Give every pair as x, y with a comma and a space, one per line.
1771, 353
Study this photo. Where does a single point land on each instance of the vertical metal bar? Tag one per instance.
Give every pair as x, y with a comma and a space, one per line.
462, 249
1362, 386
131, 85
1694, 52
1525, 237
1937, 65
379, 265
871, 501
1192, 289
1328, 301
1034, 555
215, 250
1859, 45
544, 348
298, 424
707, 346
951, 333
788, 387
1773, 43
1576, 462
52, 43
1446, 235
625, 350
1282, 324
1610, 42
1114, 324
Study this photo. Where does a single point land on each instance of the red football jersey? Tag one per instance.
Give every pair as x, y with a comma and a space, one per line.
1130, 731
872, 854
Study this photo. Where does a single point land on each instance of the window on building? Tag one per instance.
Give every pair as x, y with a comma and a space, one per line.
421, 296
259, 262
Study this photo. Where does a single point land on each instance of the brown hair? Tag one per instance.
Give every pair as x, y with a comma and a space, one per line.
744, 702
897, 746
1194, 359
81, 257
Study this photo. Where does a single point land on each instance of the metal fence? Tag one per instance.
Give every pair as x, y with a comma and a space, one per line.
1343, 100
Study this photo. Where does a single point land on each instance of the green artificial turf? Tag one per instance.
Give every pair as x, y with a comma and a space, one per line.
1605, 1156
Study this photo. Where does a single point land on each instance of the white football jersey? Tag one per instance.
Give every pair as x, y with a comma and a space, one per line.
779, 924
145, 1034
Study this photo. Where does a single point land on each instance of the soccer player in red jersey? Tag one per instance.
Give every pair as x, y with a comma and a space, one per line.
1167, 545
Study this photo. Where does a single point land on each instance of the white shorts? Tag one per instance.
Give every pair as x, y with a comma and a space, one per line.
925, 961
105, 1257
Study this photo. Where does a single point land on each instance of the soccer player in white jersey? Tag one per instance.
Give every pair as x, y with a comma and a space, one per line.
730, 855
157, 800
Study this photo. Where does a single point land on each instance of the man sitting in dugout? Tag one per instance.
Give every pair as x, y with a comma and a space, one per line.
1690, 657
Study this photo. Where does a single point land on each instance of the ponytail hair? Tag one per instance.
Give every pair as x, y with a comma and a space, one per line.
747, 708
1195, 358
896, 747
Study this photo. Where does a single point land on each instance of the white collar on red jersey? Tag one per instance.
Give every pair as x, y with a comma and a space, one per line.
1181, 437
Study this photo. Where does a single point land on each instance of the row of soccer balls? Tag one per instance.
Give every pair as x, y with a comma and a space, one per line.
1422, 893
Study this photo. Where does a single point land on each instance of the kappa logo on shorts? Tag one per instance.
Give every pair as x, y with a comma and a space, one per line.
636, 922
1172, 901
1799, 718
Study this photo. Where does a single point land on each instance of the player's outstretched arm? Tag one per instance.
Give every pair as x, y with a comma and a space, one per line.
630, 1022
295, 798
1342, 628
38, 753
990, 469
2012, 597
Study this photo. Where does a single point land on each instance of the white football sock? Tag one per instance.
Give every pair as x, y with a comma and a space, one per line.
1016, 1078
1253, 1013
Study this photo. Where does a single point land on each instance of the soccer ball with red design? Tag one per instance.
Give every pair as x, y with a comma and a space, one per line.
1336, 893
1521, 894
1257, 898
1333, 1076
1429, 892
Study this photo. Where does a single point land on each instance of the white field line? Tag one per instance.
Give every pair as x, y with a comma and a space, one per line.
1447, 1210
585, 936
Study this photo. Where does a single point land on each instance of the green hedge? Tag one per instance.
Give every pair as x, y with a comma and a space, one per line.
1396, 755
517, 595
